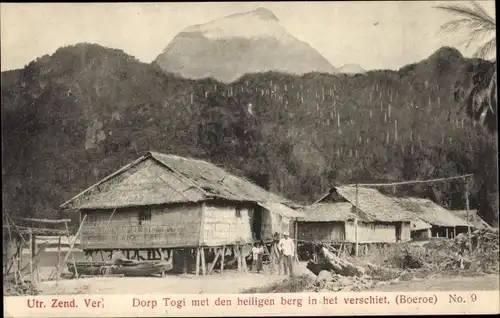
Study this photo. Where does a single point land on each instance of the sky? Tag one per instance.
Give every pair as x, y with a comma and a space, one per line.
375, 35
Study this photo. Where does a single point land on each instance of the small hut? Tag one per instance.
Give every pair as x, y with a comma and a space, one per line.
160, 203
328, 222
443, 222
380, 219
475, 220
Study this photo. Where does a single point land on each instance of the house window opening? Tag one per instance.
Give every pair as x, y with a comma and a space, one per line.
238, 213
144, 216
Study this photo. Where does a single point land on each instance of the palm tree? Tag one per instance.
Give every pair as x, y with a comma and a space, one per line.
481, 98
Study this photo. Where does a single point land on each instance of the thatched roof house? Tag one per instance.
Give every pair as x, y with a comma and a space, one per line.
327, 222
474, 219
165, 201
329, 212
374, 205
157, 178
381, 219
444, 222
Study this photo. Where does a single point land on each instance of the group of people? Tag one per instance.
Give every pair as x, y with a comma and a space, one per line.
286, 248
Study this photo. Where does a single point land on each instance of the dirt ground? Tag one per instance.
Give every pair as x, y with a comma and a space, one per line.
232, 282
487, 282
229, 282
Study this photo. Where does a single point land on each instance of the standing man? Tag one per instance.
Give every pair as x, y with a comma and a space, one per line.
287, 249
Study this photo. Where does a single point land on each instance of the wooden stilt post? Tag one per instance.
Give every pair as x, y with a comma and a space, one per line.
185, 263
58, 274
71, 248
16, 266
198, 260
19, 248
212, 266
467, 210
236, 250
243, 260
32, 253
271, 260
356, 221
296, 230
203, 265
162, 258
11, 246
74, 240
222, 259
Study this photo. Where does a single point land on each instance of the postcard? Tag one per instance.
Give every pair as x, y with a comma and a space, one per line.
249, 158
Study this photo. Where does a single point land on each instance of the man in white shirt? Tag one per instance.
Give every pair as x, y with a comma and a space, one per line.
287, 249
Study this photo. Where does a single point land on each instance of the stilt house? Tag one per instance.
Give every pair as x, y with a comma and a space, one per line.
444, 223
380, 220
328, 222
166, 201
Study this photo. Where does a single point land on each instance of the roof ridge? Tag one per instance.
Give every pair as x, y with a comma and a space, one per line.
110, 176
182, 177
225, 170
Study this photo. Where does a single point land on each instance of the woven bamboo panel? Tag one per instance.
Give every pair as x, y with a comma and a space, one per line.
321, 231
224, 225
371, 232
169, 227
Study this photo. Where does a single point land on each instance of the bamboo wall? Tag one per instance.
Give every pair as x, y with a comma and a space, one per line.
275, 223
222, 225
321, 231
421, 235
376, 232
213, 224
170, 226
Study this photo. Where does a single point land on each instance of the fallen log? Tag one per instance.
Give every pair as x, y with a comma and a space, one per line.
341, 266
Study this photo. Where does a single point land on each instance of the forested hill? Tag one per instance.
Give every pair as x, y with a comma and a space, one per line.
71, 118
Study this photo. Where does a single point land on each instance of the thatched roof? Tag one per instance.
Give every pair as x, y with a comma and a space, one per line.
162, 179
282, 209
430, 212
375, 205
329, 212
474, 219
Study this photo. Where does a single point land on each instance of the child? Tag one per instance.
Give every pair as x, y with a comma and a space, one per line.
257, 252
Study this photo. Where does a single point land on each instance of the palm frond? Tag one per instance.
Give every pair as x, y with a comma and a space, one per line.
473, 27
476, 13
475, 36
483, 13
476, 21
486, 50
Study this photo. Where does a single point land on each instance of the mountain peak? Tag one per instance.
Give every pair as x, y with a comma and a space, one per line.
264, 14
228, 47
260, 22
351, 69
447, 52
259, 13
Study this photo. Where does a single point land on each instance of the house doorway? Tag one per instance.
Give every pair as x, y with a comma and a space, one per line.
257, 223
399, 229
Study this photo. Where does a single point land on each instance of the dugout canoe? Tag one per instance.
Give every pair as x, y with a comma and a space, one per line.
121, 267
